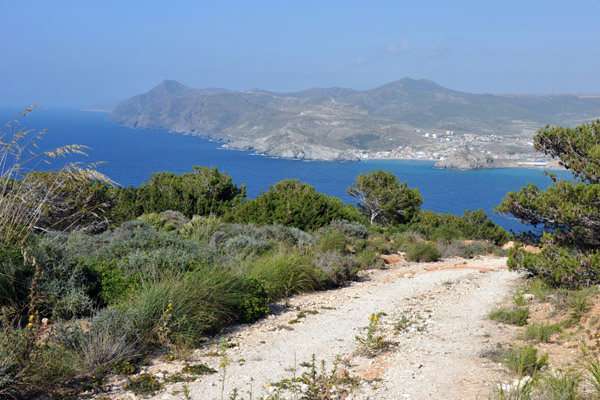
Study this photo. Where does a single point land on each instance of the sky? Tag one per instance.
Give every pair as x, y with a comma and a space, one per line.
81, 53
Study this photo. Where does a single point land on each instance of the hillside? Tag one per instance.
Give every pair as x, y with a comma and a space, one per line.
333, 123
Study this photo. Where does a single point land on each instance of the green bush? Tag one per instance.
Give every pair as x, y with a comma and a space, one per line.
205, 191
332, 241
201, 228
294, 204
423, 251
166, 221
514, 316
15, 276
180, 310
286, 273
524, 360
445, 234
558, 266
541, 332
471, 225
367, 258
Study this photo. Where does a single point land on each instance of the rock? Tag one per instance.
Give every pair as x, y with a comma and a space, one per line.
463, 160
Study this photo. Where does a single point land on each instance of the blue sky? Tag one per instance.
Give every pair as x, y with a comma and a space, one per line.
78, 53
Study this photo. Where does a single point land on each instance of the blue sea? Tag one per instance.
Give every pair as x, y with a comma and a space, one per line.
132, 155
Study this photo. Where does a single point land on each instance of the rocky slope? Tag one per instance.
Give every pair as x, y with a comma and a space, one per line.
327, 123
463, 160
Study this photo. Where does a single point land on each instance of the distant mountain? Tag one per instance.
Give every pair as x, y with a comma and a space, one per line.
328, 123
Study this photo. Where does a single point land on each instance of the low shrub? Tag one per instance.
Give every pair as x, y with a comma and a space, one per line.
15, 276
445, 234
286, 273
561, 384
403, 241
201, 228
144, 384
332, 241
514, 316
338, 268
28, 366
166, 221
180, 310
524, 360
352, 229
369, 259
541, 332
423, 251
458, 248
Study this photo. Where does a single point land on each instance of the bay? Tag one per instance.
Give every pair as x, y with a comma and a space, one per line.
132, 155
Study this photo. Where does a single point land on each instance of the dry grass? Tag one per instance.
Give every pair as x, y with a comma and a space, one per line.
23, 198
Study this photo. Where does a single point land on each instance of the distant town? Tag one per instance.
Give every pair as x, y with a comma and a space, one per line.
439, 145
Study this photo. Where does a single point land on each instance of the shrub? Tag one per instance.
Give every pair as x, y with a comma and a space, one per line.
179, 310
143, 384
403, 241
106, 267
514, 316
423, 251
524, 360
201, 228
352, 229
166, 221
445, 234
109, 337
338, 268
332, 241
286, 273
558, 266
541, 332
66, 288
15, 276
205, 191
561, 384
28, 366
368, 259
471, 225
458, 248
294, 204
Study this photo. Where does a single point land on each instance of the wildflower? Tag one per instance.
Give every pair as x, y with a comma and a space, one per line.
268, 384
30, 317
30, 324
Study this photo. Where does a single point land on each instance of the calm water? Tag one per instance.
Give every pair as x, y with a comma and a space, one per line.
132, 155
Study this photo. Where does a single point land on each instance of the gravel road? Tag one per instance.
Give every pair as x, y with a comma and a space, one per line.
435, 318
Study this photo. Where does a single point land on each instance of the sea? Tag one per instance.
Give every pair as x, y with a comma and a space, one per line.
130, 156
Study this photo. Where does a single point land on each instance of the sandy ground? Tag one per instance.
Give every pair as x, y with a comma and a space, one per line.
436, 355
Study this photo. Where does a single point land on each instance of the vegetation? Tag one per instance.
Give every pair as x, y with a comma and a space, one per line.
567, 211
119, 271
423, 251
514, 316
384, 200
295, 204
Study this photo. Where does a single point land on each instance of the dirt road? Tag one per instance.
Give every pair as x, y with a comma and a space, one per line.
435, 320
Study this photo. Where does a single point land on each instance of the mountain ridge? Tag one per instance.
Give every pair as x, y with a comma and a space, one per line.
341, 121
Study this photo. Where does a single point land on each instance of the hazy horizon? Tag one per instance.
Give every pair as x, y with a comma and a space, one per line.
78, 54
